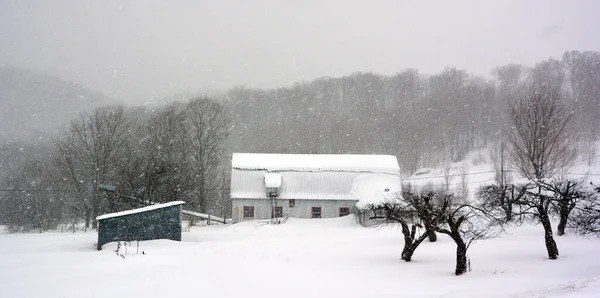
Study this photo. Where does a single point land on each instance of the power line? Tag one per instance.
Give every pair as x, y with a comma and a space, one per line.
71, 191
506, 171
457, 183
584, 174
32, 190
585, 159
443, 176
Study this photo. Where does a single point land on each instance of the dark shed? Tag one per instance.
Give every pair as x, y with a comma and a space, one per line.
161, 221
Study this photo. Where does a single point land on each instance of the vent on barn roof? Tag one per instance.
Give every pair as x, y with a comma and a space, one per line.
273, 183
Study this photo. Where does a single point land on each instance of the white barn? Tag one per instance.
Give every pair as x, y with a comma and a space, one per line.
265, 186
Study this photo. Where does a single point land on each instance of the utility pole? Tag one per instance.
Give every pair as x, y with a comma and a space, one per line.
502, 164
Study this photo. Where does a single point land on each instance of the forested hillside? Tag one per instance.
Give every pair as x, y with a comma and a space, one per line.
422, 119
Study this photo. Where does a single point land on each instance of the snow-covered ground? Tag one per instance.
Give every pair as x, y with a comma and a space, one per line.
306, 258
300, 258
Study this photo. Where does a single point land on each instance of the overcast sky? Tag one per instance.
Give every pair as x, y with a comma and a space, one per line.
137, 51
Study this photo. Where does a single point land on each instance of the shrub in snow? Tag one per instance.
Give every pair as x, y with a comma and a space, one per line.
586, 219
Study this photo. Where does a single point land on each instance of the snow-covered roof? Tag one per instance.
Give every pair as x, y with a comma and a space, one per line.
316, 162
375, 189
316, 177
272, 180
139, 210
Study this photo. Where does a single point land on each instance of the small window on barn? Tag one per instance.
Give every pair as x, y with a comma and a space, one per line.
248, 211
292, 203
277, 212
315, 212
344, 211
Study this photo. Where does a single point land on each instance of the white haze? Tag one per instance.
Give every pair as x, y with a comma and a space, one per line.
140, 51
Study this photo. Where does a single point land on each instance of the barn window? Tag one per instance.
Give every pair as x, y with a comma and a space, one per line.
344, 211
292, 203
248, 211
277, 212
315, 212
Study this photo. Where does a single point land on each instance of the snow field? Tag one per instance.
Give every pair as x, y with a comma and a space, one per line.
301, 258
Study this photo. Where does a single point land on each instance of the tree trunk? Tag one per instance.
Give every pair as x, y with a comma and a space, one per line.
564, 217
410, 243
550, 243
461, 255
95, 211
410, 247
88, 216
429, 230
407, 252
432, 236
562, 224
508, 212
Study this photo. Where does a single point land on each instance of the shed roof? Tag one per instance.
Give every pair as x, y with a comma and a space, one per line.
139, 210
316, 162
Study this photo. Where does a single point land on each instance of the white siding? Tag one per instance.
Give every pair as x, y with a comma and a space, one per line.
294, 185
302, 208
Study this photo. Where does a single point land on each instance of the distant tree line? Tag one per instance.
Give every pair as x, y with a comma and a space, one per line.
181, 151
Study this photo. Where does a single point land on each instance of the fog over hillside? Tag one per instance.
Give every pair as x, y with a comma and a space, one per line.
35, 105
137, 51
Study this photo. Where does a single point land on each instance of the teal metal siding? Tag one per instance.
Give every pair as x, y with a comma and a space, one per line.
163, 223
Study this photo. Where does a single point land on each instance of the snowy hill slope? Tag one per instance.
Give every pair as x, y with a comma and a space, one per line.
478, 169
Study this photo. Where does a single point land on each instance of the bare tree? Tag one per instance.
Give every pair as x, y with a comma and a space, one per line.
88, 154
503, 197
154, 167
540, 140
541, 144
72, 174
34, 205
465, 224
447, 174
537, 201
207, 127
568, 193
411, 209
587, 216
464, 182
538, 206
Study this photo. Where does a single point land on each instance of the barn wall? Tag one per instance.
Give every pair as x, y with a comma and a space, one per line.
302, 208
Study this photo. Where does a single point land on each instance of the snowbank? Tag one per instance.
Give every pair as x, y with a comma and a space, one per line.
252, 260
